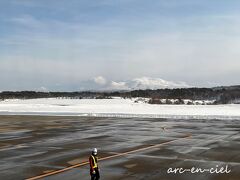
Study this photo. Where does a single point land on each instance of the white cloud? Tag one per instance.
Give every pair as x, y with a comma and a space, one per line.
118, 86
28, 21
100, 80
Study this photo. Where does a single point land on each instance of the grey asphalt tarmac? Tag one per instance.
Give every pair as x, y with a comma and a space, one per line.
34, 145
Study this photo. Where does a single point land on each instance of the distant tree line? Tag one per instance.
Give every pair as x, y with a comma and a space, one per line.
221, 95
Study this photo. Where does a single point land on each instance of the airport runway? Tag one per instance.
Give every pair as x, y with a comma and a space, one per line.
35, 145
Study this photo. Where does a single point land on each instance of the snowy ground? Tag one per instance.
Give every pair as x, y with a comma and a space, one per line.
116, 107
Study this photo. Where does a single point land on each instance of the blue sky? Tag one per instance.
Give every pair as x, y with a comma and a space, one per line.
79, 45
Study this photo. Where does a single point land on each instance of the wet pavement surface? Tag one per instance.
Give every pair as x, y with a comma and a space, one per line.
33, 145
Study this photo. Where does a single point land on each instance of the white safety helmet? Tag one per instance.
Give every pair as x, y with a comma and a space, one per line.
94, 151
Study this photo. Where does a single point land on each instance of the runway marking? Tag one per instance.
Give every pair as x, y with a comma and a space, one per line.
108, 157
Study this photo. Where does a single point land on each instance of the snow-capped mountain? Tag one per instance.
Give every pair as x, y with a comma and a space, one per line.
146, 83
154, 83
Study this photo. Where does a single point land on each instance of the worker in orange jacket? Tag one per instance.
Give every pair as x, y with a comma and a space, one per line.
93, 161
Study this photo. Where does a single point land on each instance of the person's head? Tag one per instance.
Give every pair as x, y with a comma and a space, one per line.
94, 151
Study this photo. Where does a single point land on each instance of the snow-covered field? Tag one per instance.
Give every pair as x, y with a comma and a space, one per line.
116, 107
